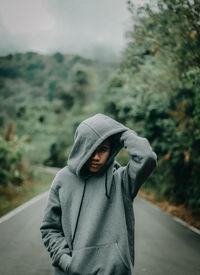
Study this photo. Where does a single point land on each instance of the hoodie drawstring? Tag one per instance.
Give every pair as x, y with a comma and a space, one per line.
106, 187
79, 211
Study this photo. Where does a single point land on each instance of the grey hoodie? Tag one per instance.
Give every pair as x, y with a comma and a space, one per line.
88, 224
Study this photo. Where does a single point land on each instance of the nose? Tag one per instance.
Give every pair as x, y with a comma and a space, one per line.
96, 156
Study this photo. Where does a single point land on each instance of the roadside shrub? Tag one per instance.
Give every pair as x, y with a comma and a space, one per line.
11, 163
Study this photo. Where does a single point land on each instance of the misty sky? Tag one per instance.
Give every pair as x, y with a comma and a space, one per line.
82, 27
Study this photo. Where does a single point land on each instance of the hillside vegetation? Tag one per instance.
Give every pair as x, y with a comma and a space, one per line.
42, 100
156, 91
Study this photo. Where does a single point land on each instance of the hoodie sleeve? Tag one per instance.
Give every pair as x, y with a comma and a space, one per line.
143, 161
52, 233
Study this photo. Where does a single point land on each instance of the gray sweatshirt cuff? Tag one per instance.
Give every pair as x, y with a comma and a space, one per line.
65, 261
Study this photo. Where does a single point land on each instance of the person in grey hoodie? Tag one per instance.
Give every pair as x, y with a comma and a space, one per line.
88, 223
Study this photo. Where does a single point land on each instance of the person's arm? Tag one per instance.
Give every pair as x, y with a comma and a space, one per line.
143, 161
52, 233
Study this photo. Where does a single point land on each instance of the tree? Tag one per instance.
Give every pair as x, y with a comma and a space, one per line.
159, 95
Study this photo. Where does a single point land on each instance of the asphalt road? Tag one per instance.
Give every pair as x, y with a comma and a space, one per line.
163, 246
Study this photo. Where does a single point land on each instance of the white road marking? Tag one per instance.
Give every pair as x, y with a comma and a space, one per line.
194, 229
22, 207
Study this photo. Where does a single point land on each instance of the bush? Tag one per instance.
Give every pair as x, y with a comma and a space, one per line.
11, 163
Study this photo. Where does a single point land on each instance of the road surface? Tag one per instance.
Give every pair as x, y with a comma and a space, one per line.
163, 246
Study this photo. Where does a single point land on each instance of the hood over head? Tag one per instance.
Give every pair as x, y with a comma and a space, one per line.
88, 136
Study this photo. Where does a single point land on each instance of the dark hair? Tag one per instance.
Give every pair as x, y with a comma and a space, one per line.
109, 139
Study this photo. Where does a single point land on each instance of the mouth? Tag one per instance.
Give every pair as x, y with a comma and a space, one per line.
94, 165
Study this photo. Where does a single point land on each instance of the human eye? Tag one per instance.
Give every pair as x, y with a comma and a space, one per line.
104, 149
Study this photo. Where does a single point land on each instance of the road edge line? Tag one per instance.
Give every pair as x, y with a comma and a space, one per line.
192, 228
22, 207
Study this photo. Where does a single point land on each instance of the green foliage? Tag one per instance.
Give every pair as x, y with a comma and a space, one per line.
11, 163
8, 72
155, 91
46, 98
59, 57
35, 66
63, 140
12, 196
59, 149
81, 84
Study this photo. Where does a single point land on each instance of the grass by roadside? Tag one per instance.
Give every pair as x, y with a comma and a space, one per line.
174, 210
13, 196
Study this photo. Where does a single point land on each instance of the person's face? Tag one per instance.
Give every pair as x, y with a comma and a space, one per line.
99, 157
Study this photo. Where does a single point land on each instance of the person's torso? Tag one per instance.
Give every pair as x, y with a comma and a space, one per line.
104, 235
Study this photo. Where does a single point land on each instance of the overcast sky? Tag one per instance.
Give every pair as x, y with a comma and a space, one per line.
70, 26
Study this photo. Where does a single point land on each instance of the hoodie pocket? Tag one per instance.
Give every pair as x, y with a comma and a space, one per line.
98, 260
